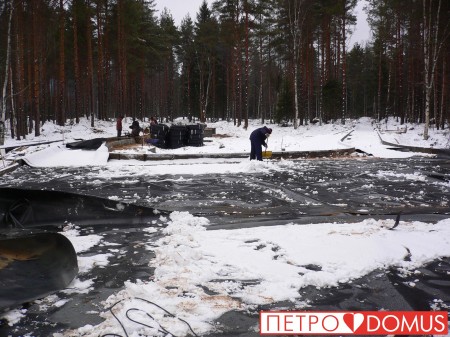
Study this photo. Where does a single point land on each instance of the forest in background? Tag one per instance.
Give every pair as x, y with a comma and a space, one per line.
277, 60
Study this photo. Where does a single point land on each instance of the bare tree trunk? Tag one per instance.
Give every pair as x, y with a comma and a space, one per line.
141, 95
61, 87
246, 71
237, 65
260, 90
188, 73
20, 73
309, 81
36, 70
388, 96
320, 55
344, 71
326, 48
100, 64
204, 67
379, 86
90, 69
295, 30
208, 86
435, 118
76, 67
214, 89
123, 90
5, 82
431, 54
29, 121
13, 109
238, 89
441, 115
106, 65
233, 85
228, 107
399, 42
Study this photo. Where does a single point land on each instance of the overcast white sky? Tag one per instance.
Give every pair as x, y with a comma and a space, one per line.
179, 9
361, 32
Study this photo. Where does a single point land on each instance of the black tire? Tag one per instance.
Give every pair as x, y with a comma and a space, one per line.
178, 136
159, 130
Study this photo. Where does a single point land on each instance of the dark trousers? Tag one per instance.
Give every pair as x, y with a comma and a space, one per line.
255, 151
119, 132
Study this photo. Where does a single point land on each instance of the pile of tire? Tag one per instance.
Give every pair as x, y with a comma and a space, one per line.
176, 136
160, 135
194, 135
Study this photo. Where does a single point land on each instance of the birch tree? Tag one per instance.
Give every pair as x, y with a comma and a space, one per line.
296, 18
205, 40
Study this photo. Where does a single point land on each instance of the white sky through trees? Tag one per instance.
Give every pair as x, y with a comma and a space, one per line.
180, 8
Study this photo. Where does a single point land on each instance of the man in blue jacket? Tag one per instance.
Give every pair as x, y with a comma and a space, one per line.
257, 140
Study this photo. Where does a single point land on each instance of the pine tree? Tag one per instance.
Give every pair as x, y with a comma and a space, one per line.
61, 113
186, 58
170, 38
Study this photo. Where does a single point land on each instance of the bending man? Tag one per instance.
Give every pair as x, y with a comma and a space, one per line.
257, 140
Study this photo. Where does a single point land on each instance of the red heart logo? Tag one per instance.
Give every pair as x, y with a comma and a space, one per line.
349, 319
354, 321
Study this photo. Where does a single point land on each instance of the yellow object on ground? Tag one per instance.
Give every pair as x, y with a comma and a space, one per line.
267, 154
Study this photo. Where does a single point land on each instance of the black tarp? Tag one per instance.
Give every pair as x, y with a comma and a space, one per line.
305, 192
22, 208
34, 263
91, 144
33, 266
